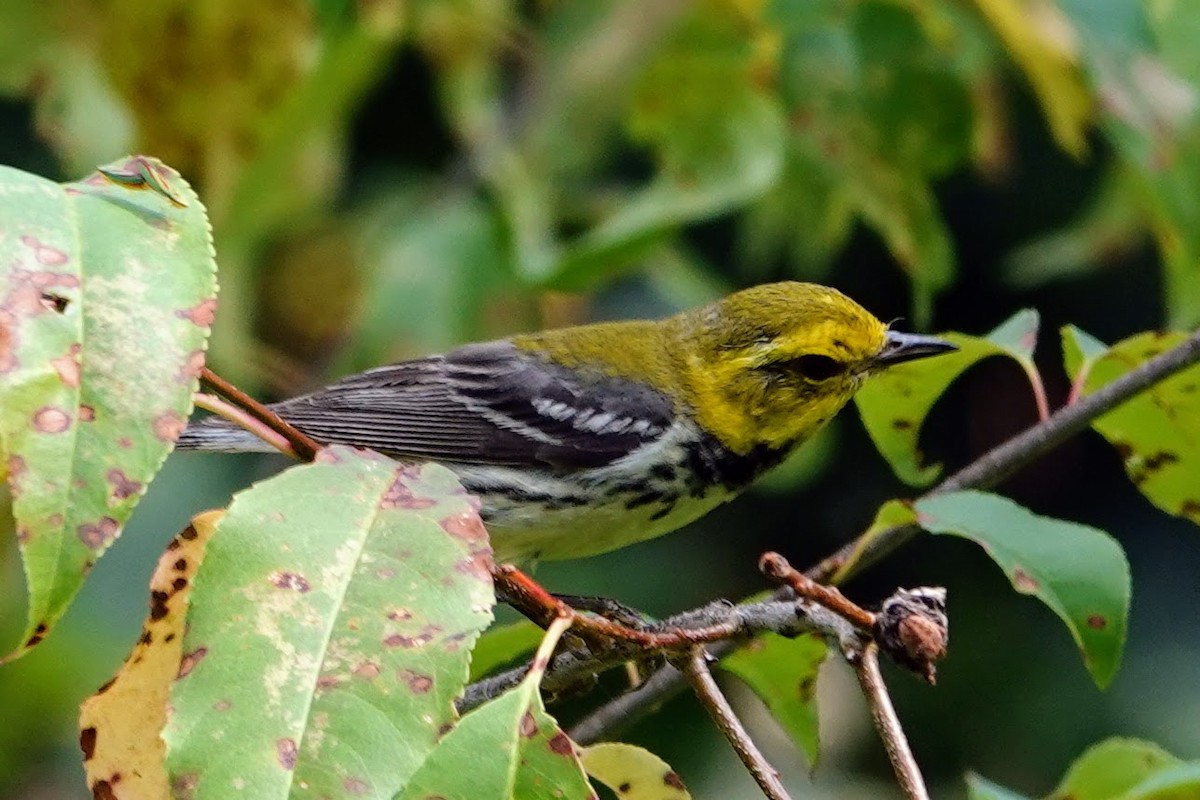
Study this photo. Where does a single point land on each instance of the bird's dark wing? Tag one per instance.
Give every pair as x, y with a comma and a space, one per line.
486, 404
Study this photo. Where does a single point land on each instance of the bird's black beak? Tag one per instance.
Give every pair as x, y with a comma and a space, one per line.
900, 347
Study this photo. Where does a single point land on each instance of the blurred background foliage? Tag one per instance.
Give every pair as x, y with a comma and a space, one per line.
392, 177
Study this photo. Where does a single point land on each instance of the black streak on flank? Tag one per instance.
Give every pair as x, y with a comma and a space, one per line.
709, 464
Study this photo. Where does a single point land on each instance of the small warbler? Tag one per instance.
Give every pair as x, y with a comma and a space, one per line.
586, 439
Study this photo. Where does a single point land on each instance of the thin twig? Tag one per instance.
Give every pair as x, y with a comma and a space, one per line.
866, 667
777, 568
528, 597
986, 471
695, 668
303, 446
226, 410
569, 668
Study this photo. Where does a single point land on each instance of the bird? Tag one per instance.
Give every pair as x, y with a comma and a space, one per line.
585, 439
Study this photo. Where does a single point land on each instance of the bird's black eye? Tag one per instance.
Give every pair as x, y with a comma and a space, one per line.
816, 367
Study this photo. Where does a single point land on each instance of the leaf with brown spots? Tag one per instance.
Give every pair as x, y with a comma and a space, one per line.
1157, 433
783, 673
119, 726
506, 749
895, 403
357, 671
91, 354
633, 773
1078, 571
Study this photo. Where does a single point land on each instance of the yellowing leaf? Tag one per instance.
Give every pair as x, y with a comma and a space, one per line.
633, 773
120, 725
1157, 433
1041, 40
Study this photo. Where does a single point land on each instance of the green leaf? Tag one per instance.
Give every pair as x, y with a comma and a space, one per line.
1079, 572
1111, 768
1081, 350
632, 772
106, 297
980, 788
502, 645
1181, 782
783, 673
894, 404
329, 631
507, 749
1157, 433
718, 138
1115, 769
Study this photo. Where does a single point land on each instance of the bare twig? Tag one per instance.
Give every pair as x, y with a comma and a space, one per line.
695, 668
213, 403
866, 667
777, 568
303, 446
568, 669
527, 596
988, 470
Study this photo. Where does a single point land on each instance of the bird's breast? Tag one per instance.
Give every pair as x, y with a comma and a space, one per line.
549, 515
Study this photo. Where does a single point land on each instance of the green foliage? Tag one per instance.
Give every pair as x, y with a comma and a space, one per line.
502, 644
783, 673
1115, 769
316, 585
1157, 433
108, 292
895, 403
1079, 572
509, 748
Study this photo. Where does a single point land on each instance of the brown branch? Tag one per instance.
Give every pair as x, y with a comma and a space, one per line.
866, 667
226, 410
695, 668
776, 567
568, 669
303, 447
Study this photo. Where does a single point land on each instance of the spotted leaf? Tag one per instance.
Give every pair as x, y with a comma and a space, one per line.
1079, 572
120, 725
507, 749
633, 773
329, 632
1156, 433
107, 292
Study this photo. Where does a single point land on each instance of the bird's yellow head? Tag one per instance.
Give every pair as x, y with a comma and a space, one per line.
770, 365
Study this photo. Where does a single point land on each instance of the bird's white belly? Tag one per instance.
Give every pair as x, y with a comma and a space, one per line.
521, 532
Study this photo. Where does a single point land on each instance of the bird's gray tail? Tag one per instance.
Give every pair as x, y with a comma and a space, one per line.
217, 435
